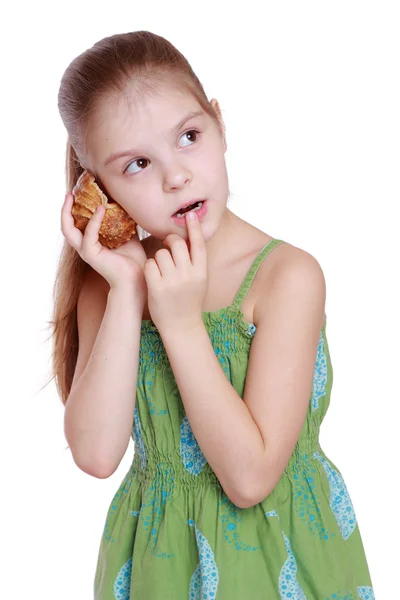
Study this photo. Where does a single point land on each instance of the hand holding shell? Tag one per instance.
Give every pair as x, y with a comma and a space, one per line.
117, 226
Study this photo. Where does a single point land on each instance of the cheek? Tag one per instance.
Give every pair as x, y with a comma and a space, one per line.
215, 169
134, 206
144, 213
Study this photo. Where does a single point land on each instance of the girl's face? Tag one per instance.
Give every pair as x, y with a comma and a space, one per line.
166, 162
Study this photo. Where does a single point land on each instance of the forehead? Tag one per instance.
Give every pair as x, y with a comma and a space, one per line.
119, 121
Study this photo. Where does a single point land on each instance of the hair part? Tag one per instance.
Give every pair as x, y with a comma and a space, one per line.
133, 66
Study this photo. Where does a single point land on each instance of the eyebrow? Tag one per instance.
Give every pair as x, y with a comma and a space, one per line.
117, 155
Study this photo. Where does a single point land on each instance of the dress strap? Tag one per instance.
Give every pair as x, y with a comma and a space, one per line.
251, 273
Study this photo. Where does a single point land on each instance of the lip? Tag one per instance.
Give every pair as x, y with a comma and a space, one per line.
188, 204
201, 213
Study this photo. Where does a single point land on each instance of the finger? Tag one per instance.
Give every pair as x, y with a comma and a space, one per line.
91, 237
179, 249
164, 261
151, 271
72, 234
198, 251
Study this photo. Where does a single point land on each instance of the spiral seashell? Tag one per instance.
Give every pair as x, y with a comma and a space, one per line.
117, 226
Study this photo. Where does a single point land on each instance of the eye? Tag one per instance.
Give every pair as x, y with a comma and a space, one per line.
191, 131
141, 160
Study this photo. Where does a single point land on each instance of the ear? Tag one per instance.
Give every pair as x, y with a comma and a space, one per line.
216, 107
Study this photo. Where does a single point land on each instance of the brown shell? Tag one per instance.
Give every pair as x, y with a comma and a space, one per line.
117, 226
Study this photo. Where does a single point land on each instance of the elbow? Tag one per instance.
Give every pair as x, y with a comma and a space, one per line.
91, 465
241, 502
250, 500
246, 496
252, 493
260, 485
249, 492
100, 472
94, 468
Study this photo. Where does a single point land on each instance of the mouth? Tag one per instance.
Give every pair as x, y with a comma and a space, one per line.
195, 206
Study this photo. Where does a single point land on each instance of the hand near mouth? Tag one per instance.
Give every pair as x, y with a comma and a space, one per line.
177, 280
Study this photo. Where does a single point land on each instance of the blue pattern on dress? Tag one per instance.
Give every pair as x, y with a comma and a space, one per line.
155, 498
289, 587
122, 582
112, 512
252, 329
193, 458
320, 374
339, 499
204, 581
230, 519
339, 595
223, 361
366, 592
138, 439
305, 498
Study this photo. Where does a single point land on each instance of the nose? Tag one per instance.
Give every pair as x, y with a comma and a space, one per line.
176, 180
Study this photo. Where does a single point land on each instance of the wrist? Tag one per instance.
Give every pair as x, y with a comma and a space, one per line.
129, 293
183, 328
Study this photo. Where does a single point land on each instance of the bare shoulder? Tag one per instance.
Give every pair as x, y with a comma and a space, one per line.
291, 259
291, 272
284, 257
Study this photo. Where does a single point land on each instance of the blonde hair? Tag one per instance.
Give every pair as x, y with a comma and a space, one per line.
139, 61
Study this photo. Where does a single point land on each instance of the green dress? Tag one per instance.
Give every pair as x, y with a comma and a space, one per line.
171, 532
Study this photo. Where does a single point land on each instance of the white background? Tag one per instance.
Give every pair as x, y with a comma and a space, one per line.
310, 96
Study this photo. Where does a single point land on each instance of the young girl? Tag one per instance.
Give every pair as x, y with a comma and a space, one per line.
206, 342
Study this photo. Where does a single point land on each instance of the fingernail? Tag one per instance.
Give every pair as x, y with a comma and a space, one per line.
191, 215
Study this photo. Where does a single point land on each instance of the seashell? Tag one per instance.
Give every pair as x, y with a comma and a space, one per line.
117, 226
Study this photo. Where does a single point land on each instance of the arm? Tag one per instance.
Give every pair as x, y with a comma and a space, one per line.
99, 410
248, 442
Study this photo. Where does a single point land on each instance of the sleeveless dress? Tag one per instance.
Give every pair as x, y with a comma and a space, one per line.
171, 532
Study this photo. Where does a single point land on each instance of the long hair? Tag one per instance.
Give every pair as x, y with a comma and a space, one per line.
138, 61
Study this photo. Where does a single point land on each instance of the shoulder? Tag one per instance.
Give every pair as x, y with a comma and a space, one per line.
294, 276
294, 264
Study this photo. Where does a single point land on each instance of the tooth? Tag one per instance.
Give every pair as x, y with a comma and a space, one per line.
200, 203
